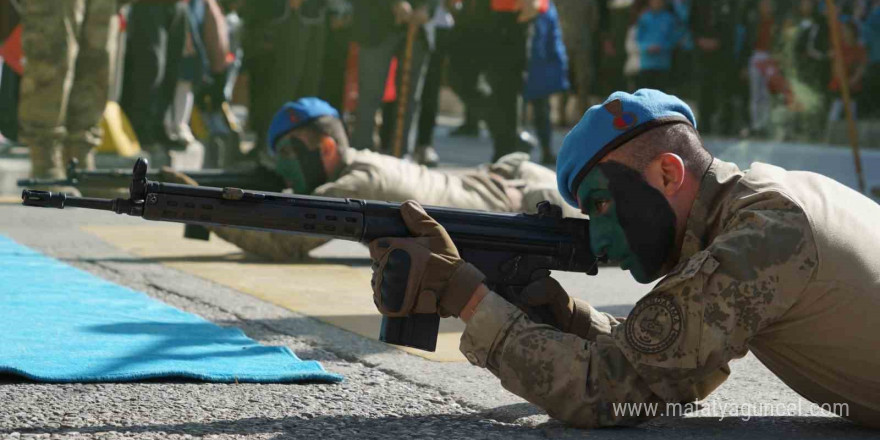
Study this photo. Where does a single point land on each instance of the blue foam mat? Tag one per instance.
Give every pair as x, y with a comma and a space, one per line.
62, 324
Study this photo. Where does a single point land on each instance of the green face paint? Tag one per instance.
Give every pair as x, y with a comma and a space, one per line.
299, 165
291, 171
606, 234
630, 221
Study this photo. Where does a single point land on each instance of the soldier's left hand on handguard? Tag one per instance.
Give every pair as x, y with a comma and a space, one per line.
423, 273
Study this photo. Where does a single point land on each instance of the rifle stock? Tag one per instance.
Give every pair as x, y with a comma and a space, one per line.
508, 248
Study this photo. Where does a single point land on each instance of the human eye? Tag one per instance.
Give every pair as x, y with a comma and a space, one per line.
286, 149
600, 206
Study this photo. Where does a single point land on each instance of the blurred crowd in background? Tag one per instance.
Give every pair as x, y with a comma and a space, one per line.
168, 73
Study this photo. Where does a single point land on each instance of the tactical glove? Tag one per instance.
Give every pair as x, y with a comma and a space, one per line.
422, 273
568, 314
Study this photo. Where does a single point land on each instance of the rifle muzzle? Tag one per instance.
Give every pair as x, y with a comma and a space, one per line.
47, 199
43, 199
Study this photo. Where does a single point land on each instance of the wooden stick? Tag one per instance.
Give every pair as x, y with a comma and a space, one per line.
843, 80
405, 68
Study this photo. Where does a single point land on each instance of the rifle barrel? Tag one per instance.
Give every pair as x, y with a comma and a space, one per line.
46, 199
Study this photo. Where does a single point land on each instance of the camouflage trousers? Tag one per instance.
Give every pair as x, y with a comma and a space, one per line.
65, 81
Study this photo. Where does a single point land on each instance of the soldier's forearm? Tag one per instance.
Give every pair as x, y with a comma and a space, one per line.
583, 383
587, 384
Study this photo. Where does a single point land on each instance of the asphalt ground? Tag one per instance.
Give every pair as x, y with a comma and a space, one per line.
388, 393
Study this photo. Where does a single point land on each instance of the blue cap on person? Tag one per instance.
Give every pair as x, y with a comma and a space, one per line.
296, 114
606, 126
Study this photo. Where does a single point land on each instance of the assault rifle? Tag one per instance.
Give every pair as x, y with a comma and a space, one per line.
253, 177
508, 248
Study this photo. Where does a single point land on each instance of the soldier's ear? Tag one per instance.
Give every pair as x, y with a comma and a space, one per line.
666, 173
328, 147
329, 154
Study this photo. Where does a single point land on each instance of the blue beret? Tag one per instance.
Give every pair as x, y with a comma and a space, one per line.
295, 114
605, 127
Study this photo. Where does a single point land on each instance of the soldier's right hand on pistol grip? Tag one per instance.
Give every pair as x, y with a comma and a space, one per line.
570, 315
423, 273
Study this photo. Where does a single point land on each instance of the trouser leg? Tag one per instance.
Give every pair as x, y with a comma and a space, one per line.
868, 102
418, 68
729, 99
88, 95
373, 65
431, 90
144, 67
465, 66
760, 95
505, 74
9, 99
49, 43
155, 45
543, 127
333, 83
390, 118
708, 94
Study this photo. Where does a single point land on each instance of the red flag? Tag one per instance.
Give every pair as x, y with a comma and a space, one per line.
11, 51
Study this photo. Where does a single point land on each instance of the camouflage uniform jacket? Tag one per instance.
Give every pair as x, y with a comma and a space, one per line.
785, 264
511, 184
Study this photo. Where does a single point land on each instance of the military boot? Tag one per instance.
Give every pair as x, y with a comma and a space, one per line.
46, 159
46, 163
84, 153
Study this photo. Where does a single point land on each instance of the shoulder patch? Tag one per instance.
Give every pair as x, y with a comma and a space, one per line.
654, 324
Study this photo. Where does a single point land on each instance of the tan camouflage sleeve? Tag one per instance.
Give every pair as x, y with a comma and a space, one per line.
677, 341
356, 184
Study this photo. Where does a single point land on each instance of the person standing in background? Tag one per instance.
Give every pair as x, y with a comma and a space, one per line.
547, 74
869, 104
811, 66
380, 30
284, 44
616, 19
10, 75
759, 63
854, 59
683, 52
467, 64
443, 22
156, 35
632, 66
339, 22
579, 20
506, 58
202, 68
657, 34
65, 82
714, 27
